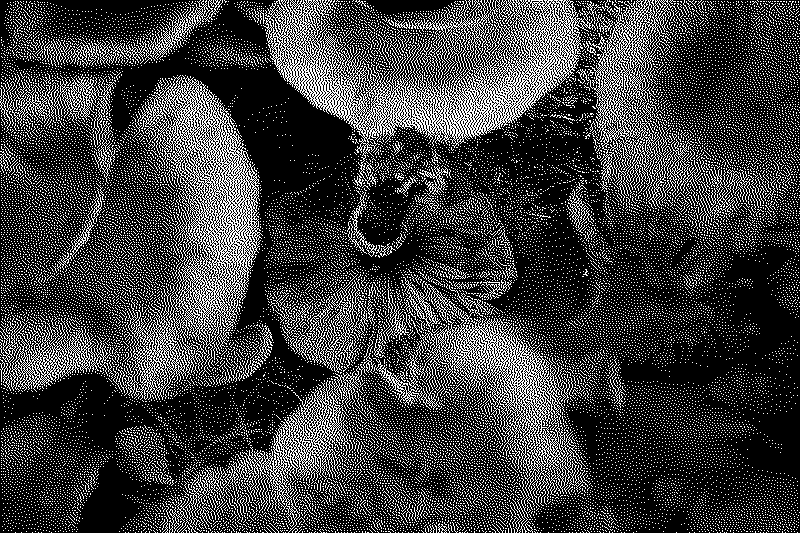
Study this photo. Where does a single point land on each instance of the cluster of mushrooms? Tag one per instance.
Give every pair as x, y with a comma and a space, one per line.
128, 248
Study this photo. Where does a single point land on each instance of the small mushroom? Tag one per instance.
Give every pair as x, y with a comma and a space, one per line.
337, 304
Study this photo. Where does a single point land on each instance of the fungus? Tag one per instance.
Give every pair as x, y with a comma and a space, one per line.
81, 36
149, 293
697, 134
419, 247
337, 304
459, 71
489, 450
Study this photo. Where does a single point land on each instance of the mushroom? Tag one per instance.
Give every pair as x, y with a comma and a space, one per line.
337, 305
413, 85
449, 74
487, 446
456, 72
145, 285
52, 34
697, 134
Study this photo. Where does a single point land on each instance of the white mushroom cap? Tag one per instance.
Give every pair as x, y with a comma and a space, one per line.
455, 73
52, 34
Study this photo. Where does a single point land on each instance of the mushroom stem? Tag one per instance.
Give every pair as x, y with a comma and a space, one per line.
391, 208
376, 251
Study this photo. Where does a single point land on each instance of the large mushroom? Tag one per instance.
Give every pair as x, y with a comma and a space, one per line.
123, 253
697, 133
487, 446
451, 73
126, 245
458, 71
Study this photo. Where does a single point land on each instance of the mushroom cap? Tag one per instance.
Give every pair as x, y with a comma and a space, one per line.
696, 129
48, 471
488, 444
457, 72
79, 34
159, 212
